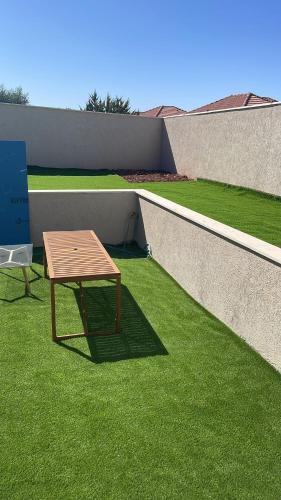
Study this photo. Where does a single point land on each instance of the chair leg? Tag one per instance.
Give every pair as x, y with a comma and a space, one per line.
27, 284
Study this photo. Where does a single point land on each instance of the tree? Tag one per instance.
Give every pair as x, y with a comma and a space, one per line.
13, 96
108, 105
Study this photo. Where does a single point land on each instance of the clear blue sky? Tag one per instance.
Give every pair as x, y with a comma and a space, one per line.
154, 52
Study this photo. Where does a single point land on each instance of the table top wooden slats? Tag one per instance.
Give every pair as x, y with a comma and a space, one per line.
77, 256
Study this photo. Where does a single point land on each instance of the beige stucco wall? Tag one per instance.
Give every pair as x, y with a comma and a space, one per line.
233, 275
106, 212
75, 139
240, 147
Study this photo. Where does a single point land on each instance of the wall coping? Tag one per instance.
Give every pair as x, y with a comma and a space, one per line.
89, 113
226, 110
67, 110
248, 242
82, 190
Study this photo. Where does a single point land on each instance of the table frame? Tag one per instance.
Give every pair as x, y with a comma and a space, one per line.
47, 262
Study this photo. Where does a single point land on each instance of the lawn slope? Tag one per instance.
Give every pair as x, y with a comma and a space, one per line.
249, 211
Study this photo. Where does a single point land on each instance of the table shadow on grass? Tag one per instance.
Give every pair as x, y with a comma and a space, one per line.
137, 338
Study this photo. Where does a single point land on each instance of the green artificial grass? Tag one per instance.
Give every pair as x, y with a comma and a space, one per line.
254, 213
177, 406
57, 178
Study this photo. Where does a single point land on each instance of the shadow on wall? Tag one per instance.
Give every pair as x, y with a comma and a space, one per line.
72, 172
139, 233
137, 338
167, 158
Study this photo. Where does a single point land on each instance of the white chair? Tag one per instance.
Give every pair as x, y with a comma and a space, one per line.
17, 256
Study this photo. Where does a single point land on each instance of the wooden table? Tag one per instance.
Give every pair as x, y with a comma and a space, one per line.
77, 256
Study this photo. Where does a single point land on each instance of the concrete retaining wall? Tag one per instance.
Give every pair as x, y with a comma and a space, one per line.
233, 275
106, 212
78, 139
240, 147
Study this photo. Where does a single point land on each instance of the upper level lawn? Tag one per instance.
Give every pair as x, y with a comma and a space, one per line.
249, 211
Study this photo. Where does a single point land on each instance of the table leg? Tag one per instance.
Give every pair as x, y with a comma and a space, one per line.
27, 284
53, 311
84, 309
45, 263
118, 305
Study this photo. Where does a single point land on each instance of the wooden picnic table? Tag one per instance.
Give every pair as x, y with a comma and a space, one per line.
77, 256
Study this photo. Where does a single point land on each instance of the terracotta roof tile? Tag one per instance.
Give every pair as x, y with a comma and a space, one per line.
234, 101
161, 111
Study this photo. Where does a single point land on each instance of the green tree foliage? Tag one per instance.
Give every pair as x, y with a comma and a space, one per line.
108, 105
13, 96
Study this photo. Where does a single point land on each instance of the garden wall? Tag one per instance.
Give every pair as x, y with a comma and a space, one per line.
65, 138
233, 275
107, 212
236, 146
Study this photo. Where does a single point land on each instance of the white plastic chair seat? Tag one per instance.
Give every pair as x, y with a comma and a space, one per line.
16, 255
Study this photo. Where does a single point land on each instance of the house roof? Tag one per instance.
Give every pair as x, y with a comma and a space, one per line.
234, 101
161, 111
